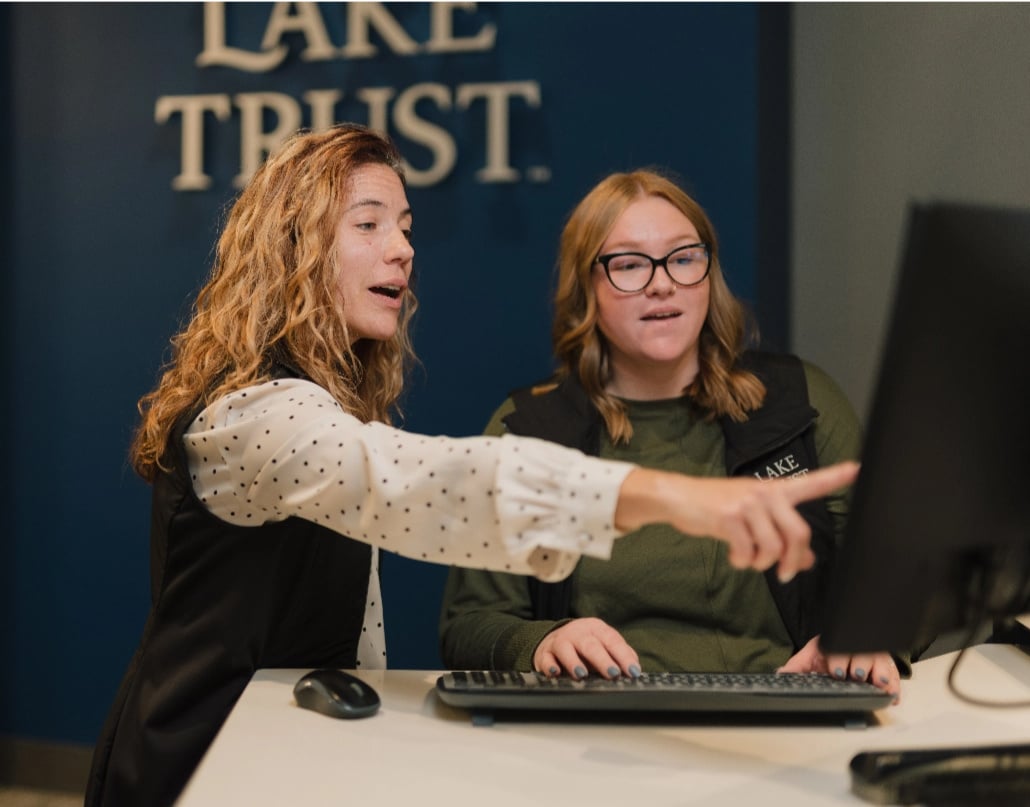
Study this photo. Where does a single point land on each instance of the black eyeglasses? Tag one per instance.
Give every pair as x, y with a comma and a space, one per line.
633, 271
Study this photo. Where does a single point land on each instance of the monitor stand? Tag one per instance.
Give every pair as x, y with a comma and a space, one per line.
1012, 632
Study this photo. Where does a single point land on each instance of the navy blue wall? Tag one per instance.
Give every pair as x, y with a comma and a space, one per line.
103, 256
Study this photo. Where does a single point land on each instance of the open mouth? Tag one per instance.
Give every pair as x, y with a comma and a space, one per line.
393, 292
662, 315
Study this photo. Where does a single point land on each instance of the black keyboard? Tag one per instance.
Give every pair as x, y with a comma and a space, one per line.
660, 692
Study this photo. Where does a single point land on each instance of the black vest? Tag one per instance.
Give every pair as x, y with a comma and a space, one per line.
776, 440
226, 600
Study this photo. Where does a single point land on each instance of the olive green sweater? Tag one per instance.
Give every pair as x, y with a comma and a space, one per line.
675, 599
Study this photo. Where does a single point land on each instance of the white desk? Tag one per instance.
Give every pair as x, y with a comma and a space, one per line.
417, 751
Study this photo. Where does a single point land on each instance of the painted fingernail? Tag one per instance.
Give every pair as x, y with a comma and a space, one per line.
884, 679
838, 673
634, 671
553, 671
613, 672
859, 673
579, 672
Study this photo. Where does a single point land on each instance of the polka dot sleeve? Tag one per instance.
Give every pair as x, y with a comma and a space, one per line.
285, 448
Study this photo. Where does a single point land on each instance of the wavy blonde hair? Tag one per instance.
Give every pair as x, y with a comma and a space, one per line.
721, 387
272, 296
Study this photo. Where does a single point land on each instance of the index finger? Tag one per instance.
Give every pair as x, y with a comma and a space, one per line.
821, 482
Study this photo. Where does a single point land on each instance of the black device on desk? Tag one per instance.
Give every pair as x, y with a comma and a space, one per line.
938, 534
336, 693
667, 693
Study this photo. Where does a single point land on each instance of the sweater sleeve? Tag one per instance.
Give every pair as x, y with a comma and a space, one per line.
486, 620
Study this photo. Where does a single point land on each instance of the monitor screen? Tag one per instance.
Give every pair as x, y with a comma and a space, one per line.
938, 539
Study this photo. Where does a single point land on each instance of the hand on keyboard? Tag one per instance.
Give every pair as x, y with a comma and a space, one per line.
878, 669
583, 646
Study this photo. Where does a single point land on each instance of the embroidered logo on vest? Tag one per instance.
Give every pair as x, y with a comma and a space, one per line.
784, 467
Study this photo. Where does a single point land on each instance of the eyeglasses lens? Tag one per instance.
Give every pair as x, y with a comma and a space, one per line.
632, 272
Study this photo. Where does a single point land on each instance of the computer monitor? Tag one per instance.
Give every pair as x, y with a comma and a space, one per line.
938, 537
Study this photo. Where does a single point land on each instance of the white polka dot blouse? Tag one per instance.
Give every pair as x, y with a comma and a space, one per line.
286, 448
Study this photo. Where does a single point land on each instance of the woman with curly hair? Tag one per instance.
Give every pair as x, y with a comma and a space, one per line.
653, 369
277, 476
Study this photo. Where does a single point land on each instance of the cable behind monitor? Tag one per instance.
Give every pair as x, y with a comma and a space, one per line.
979, 620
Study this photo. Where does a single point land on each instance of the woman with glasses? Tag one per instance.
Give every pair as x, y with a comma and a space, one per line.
653, 370
277, 477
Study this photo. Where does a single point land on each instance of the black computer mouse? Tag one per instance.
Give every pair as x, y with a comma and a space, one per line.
336, 693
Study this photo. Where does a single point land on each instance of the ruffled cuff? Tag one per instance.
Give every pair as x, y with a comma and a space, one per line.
556, 504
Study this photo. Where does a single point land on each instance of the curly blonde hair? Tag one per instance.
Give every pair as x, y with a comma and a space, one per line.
721, 386
271, 296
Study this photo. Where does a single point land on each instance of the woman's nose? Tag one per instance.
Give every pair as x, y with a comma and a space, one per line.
660, 283
400, 248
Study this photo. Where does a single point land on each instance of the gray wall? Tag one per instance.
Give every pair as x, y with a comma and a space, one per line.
893, 102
